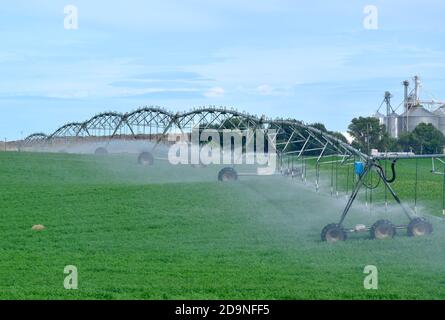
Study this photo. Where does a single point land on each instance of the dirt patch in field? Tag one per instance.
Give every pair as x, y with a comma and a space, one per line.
38, 227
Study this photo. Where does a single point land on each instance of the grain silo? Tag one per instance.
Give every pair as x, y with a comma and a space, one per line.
440, 113
393, 125
381, 117
416, 115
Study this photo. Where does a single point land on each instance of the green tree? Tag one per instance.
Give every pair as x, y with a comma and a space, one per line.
339, 136
367, 132
425, 139
335, 134
319, 126
406, 142
388, 143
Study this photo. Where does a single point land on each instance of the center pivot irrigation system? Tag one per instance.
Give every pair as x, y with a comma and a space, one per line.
294, 141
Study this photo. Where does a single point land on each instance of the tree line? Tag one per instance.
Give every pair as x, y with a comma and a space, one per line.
369, 134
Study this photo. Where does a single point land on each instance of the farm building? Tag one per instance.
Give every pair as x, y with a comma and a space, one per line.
415, 111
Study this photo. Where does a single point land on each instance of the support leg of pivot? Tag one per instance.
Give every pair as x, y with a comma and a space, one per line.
395, 196
353, 195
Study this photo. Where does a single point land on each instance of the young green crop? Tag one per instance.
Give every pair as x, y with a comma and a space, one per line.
166, 232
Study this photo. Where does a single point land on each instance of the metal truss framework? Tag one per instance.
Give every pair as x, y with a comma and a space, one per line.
291, 137
35, 139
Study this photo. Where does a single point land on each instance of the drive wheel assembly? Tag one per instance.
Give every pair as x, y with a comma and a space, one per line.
227, 174
419, 227
333, 233
383, 229
101, 151
146, 159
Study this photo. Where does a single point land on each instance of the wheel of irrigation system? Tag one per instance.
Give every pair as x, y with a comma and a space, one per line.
101, 151
146, 158
419, 227
383, 229
227, 174
333, 233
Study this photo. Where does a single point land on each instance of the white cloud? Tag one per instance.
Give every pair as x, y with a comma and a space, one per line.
265, 90
215, 92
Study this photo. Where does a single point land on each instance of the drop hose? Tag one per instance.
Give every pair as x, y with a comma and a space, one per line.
393, 170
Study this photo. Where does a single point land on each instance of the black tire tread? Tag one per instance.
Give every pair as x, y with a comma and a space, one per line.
101, 151
331, 226
227, 170
381, 222
145, 158
416, 220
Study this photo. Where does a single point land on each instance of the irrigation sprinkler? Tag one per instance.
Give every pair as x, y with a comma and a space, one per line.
294, 141
382, 229
436, 171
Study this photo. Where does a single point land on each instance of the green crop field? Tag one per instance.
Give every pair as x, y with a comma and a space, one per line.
174, 232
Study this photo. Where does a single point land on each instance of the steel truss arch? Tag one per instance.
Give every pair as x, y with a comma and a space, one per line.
34, 139
106, 124
149, 122
154, 123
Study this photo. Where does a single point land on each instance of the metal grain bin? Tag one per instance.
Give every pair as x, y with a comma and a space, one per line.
379, 116
440, 112
418, 115
393, 125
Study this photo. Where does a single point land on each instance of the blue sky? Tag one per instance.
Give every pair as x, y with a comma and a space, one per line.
309, 60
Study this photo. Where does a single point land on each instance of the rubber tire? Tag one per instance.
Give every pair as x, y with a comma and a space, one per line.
101, 151
333, 233
416, 223
146, 159
227, 174
383, 229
